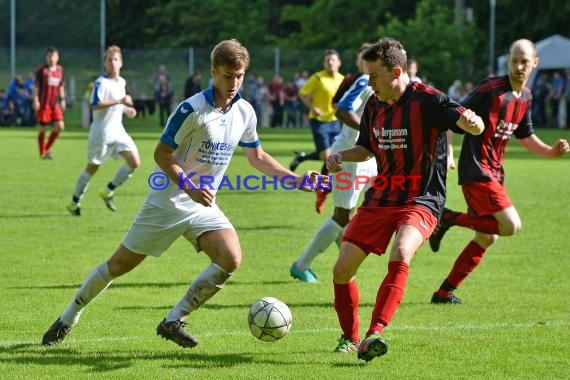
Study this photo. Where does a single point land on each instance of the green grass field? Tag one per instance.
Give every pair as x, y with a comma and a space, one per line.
515, 322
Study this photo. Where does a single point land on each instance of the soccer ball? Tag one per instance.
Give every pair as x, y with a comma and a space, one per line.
269, 319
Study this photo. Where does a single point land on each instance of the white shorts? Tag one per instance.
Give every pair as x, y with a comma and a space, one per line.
99, 152
155, 229
347, 198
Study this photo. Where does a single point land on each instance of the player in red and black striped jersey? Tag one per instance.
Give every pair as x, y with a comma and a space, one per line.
504, 103
404, 127
49, 100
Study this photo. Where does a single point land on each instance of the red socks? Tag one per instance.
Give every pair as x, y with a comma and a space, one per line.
465, 264
389, 296
41, 142
346, 299
52, 137
484, 224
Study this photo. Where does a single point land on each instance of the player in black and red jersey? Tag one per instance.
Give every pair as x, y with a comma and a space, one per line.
504, 103
404, 127
49, 100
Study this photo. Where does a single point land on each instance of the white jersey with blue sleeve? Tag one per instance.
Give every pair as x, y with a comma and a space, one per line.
354, 100
107, 126
204, 139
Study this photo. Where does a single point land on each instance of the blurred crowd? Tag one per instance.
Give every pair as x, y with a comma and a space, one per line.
277, 103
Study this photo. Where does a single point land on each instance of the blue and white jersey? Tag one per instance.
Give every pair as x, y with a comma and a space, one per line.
107, 125
354, 100
204, 140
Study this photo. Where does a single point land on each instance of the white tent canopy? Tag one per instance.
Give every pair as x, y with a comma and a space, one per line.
553, 53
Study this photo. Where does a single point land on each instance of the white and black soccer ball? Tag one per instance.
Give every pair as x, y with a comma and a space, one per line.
269, 319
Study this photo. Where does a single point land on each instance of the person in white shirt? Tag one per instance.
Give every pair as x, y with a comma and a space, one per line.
197, 143
345, 191
107, 135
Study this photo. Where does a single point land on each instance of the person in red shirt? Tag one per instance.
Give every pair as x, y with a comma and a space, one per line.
404, 128
49, 101
505, 105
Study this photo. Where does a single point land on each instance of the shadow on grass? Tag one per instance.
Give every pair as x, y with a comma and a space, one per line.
107, 361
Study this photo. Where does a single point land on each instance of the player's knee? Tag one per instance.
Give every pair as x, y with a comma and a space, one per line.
486, 240
342, 273
135, 164
510, 227
341, 216
229, 262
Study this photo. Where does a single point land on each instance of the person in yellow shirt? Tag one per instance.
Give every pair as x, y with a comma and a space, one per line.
317, 95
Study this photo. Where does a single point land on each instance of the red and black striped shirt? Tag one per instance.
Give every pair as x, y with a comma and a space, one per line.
49, 83
408, 140
482, 156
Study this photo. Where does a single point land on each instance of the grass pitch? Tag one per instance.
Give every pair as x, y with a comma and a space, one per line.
515, 322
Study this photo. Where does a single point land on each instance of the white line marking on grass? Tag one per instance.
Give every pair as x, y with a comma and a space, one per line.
448, 327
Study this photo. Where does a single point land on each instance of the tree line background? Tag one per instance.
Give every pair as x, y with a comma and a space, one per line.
436, 32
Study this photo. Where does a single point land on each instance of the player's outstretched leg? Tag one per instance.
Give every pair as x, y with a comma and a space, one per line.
175, 332
447, 220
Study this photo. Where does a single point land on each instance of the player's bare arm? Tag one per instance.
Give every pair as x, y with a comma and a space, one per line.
535, 145
266, 164
169, 165
308, 101
355, 154
471, 123
62, 102
348, 118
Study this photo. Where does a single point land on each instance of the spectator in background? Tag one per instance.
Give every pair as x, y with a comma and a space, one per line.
193, 85
291, 104
540, 93
18, 103
163, 95
261, 103
561, 120
5, 111
29, 86
161, 71
249, 89
567, 94
276, 97
455, 91
556, 94
413, 71
303, 110
49, 101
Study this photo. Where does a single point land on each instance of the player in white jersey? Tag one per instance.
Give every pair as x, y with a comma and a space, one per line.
107, 135
345, 188
197, 143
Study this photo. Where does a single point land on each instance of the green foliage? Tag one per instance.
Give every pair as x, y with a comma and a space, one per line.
442, 49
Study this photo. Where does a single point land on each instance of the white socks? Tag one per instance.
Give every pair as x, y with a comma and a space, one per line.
324, 237
81, 186
204, 287
97, 281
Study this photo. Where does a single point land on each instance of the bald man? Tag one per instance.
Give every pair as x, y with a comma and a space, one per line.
504, 103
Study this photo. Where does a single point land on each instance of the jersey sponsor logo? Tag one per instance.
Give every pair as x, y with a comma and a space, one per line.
505, 130
53, 81
390, 139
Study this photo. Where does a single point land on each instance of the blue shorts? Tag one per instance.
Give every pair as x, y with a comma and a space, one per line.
324, 133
